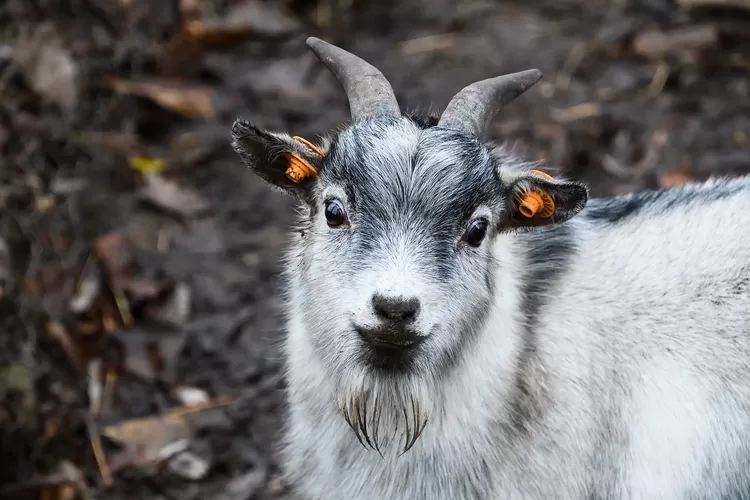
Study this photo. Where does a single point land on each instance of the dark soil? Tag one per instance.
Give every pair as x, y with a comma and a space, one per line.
184, 289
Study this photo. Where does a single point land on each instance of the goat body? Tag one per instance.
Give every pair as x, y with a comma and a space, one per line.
602, 352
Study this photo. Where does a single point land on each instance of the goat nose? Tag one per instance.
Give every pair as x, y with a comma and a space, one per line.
396, 309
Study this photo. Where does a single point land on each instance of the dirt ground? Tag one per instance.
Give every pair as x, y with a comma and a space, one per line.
139, 259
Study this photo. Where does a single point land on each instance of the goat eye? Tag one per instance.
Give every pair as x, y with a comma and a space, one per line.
475, 232
335, 214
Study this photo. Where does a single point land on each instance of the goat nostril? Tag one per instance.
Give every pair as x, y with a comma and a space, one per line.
395, 309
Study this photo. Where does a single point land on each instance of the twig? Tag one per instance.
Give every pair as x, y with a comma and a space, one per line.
661, 75
109, 389
694, 4
96, 445
655, 146
575, 113
658, 44
122, 303
573, 61
428, 43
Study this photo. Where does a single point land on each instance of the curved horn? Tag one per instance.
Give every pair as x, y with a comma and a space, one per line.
366, 88
472, 109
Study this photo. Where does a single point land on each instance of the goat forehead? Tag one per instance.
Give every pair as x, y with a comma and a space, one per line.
396, 170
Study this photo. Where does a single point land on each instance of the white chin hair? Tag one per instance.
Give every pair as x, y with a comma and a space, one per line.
386, 414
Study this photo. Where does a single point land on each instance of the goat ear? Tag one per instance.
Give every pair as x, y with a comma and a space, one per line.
289, 163
536, 199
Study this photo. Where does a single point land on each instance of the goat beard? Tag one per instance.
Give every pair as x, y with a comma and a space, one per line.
382, 410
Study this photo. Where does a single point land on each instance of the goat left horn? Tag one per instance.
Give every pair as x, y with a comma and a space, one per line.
368, 91
472, 109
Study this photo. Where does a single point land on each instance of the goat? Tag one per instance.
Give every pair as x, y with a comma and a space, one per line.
461, 326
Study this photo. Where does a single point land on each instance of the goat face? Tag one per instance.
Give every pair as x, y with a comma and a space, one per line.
394, 270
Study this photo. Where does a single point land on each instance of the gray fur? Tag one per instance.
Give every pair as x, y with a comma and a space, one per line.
603, 353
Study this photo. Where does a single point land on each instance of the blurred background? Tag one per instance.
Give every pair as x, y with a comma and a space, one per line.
139, 307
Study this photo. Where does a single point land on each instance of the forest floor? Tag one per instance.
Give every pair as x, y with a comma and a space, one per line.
139, 258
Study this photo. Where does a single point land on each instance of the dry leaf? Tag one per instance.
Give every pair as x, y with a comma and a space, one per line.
112, 250
175, 310
48, 66
577, 112
66, 482
263, 19
16, 380
655, 44
146, 437
5, 265
190, 102
149, 353
87, 294
191, 396
183, 462
217, 34
115, 142
147, 165
58, 331
168, 196
677, 176
151, 440
694, 4
191, 9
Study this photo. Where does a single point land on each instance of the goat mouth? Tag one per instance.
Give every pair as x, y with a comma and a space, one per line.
388, 350
389, 338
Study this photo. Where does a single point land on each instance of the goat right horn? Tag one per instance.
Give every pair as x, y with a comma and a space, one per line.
368, 91
472, 109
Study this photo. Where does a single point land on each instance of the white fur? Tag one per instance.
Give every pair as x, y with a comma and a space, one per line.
634, 341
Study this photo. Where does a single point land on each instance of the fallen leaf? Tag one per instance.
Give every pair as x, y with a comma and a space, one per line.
64, 482
694, 4
149, 353
124, 143
88, 292
190, 9
59, 332
44, 203
146, 437
151, 440
48, 65
147, 165
183, 462
677, 176
17, 396
218, 34
95, 385
89, 328
175, 310
113, 251
655, 44
142, 287
190, 102
5, 266
173, 198
245, 486
263, 19
191, 396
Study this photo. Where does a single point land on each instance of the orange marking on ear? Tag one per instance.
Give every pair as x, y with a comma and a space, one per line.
542, 174
309, 145
536, 203
299, 168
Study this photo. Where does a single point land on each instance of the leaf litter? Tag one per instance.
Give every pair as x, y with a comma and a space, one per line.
128, 203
